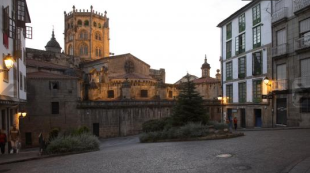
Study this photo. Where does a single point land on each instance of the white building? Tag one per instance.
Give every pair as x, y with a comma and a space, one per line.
246, 53
14, 16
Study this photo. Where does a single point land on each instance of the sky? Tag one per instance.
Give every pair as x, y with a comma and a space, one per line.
171, 34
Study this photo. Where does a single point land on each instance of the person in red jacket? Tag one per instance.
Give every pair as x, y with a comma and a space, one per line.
235, 123
2, 141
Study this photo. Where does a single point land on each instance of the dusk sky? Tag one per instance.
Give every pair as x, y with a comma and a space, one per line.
174, 35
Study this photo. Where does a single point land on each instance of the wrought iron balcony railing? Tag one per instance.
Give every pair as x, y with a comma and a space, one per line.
279, 85
300, 4
280, 50
280, 14
302, 43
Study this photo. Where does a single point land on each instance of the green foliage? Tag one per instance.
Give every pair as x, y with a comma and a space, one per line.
53, 134
218, 126
189, 106
156, 125
190, 130
73, 143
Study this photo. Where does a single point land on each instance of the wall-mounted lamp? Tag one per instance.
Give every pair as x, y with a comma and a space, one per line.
22, 114
8, 62
266, 81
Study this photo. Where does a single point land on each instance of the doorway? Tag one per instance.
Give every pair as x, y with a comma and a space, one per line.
281, 111
243, 118
258, 117
96, 129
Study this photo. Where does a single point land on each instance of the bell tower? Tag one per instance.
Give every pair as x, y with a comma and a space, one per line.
205, 68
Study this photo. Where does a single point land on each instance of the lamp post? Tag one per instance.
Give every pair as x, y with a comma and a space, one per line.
267, 82
8, 63
221, 99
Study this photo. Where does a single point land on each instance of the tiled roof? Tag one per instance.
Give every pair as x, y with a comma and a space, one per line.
45, 75
44, 64
206, 80
131, 76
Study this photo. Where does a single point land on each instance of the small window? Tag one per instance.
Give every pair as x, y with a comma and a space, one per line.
305, 105
170, 94
240, 44
54, 85
79, 23
55, 107
242, 22
228, 31
241, 68
98, 52
257, 63
99, 25
229, 93
111, 94
86, 23
242, 92
228, 49
256, 37
83, 50
21, 10
257, 91
95, 24
20, 81
256, 14
229, 71
144, 93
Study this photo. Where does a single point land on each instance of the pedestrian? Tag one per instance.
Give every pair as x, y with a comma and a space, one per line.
235, 123
42, 144
2, 141
14, 139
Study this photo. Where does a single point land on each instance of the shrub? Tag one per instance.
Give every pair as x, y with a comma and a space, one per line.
73, 143
53, 134
218, 126
82, 130
156, 125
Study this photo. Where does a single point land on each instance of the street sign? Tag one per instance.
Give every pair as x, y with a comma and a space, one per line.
264, 97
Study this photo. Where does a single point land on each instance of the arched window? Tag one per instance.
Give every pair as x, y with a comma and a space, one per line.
83, 35
70, 50
71, 24
79, 23
95, 24
97, 36
86, 23
99, 25
71, 37
68, 26
83, 50
98, 52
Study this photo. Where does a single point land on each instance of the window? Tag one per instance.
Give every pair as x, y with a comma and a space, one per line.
55, 107
5, 73
305, 105
95, 24
228, 31
228, 49
305, 68
242, 92
99, 25
70, 50
70, 37
241, 68
86, 23
83, 35
98, 52
304, 26
240, 44
242, 22
110, 93
229, 70
54, 85
256, 14
257, 63
170, 94
21, 10
98, 36
144, 93
20, 81
25, 84
229, 93
83, 50
79, 23
256, 37
281, 72
257, 91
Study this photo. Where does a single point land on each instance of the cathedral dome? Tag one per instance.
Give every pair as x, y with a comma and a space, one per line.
205, 65
53, 45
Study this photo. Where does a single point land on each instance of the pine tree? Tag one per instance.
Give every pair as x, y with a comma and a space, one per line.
189, 106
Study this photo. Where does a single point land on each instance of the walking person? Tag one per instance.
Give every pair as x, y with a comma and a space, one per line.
14, 139
2, 141
235, 123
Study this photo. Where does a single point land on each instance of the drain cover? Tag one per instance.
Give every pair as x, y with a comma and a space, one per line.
4, 170
224, 155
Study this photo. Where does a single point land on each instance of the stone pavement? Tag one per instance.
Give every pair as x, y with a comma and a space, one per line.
301, 167
24, 155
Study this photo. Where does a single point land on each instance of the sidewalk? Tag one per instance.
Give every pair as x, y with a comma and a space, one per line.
301, 167
270, 128
22, 156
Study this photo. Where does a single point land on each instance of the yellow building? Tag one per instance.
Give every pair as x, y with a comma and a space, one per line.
87, 34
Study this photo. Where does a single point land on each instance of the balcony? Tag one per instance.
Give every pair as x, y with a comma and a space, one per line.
300, 5
280, 50
302, 43
280, 15
301, 83
280, 85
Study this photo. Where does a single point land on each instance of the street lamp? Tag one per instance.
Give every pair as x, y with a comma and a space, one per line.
8, 62
22, 114
221, 99
267, 82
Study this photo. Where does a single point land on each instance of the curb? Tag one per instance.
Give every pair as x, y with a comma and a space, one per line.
298, 166
276, 128
44, 157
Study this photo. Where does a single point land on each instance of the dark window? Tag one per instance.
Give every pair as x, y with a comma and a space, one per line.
257, 91
95, 24
228, 31
256, 14
242, 92
229, 70
21, 10
86, 23
257, 63
79, 22
54, 85
256, 37
305, 105
83, 50
111, 94
229, 93
3, 120
242, 22
241, 68
55, 107
240, 44
228, 49
99, 25
21, 81
28, 138
144, 93
170, 94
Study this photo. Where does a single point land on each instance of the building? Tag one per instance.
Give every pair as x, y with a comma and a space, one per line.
290, 80
87, 34
13, 20
245, 62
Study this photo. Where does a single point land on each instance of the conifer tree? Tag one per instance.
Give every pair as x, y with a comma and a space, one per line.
189, 106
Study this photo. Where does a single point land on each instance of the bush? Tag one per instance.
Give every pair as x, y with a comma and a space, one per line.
218, 126
156, 125
73, 143
53, 134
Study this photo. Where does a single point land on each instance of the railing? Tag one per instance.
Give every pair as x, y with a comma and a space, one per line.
300, 4
303, 42
280, 14
280, 50
279, 85
301, 83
